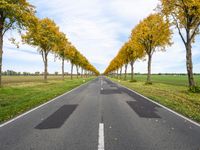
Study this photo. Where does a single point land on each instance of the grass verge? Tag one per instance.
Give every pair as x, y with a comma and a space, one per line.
18, 98
175, 97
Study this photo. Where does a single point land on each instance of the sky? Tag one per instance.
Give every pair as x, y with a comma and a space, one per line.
98, 29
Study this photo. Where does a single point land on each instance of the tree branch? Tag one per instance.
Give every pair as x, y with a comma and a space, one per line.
179, 30
42, 56
194, 32
8, 27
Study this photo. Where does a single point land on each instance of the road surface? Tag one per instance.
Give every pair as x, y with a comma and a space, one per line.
100, 115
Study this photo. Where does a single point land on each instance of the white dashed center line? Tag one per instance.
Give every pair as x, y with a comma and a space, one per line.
101, 85
101, 137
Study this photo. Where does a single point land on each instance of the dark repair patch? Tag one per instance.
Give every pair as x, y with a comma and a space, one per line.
144, 108
57, 119
110, 91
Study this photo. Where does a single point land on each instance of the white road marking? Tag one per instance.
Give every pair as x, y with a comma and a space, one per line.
191, 121
101, 85
101, 137
2, 125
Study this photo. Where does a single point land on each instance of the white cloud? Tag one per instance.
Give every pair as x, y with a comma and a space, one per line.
133, 10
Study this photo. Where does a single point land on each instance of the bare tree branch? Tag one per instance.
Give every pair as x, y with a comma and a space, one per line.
179, 30
194, 31
8, 27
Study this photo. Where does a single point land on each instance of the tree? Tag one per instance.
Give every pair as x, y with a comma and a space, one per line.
151, 35
125, 56
14, 14
185, 15
72, 57
44, 35
116, 63
133, 54
61, 50
78, 62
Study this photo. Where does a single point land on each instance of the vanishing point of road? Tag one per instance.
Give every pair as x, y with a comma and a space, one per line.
100, 115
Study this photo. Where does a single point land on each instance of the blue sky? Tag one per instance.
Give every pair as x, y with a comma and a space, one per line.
98, 28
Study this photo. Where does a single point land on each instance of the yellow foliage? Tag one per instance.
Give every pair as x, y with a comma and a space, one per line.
151, 34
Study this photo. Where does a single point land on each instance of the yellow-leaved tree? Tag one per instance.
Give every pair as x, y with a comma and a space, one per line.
151, 35
125, 55
44, 35
14, 14
185, 15
61, 50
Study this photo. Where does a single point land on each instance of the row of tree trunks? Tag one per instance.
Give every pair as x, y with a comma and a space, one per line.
119, 71
85, 74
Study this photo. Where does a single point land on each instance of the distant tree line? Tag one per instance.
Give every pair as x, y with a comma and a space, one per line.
175, 74
37, 73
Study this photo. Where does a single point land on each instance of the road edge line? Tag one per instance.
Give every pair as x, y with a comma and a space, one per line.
37, 107
176, 113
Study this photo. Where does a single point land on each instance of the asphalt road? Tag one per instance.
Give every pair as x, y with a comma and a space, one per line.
100, 115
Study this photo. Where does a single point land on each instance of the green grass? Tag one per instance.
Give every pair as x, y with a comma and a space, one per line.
12, 80
167, 79
171, 91
19, 95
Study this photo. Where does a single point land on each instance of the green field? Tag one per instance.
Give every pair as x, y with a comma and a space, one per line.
15, 80
169, 90
166, 79
21, 93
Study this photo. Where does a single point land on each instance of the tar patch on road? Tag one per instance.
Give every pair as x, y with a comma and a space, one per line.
57, 119
110, 91
144, 109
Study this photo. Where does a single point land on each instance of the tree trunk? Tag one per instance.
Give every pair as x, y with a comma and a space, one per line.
77, 71
1, 54
81, 72
132, 70
121, 73
88, 73
117, 73
1, 45
125, 71
189, 65
63, 68
85, 74
72, 65
45, 66
149, 68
